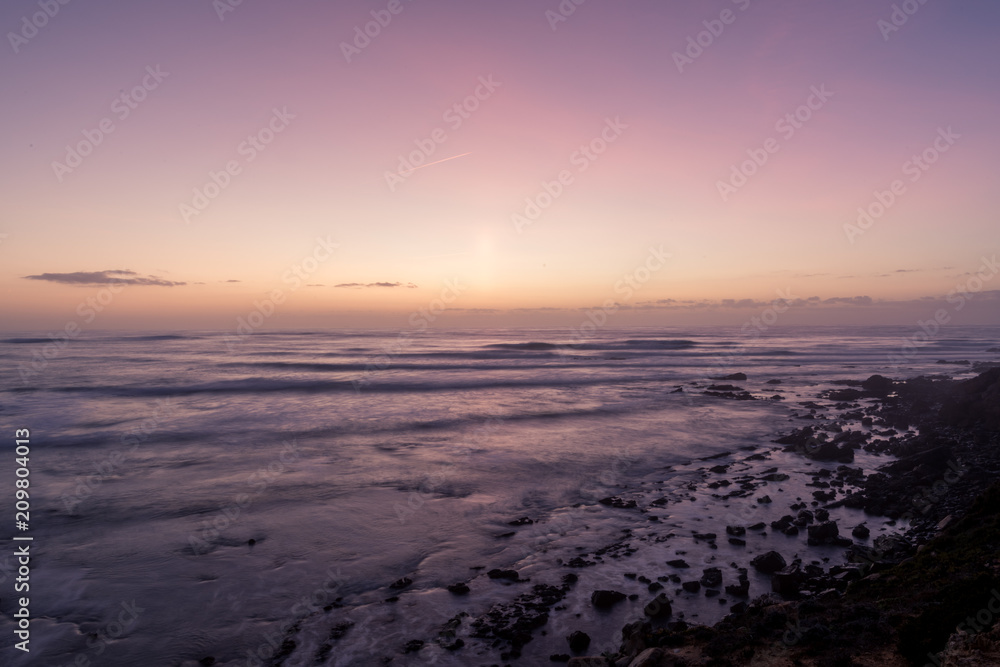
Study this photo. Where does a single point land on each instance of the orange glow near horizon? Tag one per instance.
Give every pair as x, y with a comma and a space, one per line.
582, 148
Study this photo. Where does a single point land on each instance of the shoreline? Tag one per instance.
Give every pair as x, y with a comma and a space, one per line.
944, 437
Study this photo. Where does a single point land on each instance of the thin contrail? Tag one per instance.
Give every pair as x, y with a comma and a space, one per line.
431, 164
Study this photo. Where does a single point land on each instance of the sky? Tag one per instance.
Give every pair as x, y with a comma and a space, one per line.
523, 163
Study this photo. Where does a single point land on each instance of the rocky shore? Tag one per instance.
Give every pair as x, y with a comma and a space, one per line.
925, 594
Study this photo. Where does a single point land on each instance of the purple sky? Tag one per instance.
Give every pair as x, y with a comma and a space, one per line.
180, 166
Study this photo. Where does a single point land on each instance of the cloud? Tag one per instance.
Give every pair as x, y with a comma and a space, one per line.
315, 285
357, 285
109, 277
851, 300
232, 281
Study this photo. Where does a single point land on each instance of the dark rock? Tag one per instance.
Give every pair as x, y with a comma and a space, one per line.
659, 607
735, 377
822, 515
711, 577
691, 586
413, 646
831, 451
892, 546
764, 500
453, 645
935, 458
458, 589
735, 541
787, 581
845, 394
798, 438
719, 469
758, 526
604, 599
861, 531
680, 562
559, 657
823, 532
739, 590
774, 382
775, 477
615, 501
878, 385
735, 530
523, 521
769, 563
510, 575
578, 641
708, 537
400, 584
782, 523
791, 531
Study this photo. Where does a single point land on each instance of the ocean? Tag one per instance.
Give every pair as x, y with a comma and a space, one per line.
306, 498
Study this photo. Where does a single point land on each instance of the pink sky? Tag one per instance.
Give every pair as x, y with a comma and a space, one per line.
313, 209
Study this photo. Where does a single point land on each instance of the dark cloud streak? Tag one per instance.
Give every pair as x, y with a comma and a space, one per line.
108, 277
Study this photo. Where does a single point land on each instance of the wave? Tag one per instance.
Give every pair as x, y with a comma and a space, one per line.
102, 339
360, 384
360, 367
528, 346
633, 344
